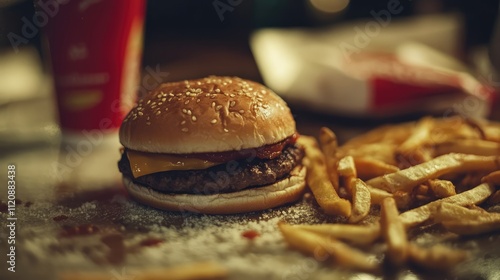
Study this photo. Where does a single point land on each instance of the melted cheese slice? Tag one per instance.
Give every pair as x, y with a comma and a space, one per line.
146, 163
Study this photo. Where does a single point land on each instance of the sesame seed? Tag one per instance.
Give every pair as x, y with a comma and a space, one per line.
186, 102
184, 129
189, 112
213, 121
163, 99
159, 96
241, 111
149, 101
140, 113
157, 113
226, 130
218, 107
217, 90
183, 122
198, 100
232, 103
232, 95
193, 118
213, 104
184, 111
148, 123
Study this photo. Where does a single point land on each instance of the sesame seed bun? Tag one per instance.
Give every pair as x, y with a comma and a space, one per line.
213, 114
284, 191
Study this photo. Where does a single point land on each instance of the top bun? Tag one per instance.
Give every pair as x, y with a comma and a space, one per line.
213, 114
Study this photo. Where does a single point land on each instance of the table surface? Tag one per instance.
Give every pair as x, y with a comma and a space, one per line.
58, 188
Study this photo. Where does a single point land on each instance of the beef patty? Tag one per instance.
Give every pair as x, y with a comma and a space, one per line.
226, 177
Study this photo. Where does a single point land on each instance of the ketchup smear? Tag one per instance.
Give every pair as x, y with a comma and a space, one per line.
265, 152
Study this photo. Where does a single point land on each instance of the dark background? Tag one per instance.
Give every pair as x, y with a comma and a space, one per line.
181, 34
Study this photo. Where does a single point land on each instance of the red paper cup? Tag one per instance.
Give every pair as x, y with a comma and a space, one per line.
95, 49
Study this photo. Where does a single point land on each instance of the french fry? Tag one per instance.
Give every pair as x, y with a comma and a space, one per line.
451, 212
383, 152
492, 131
465, 221
437, 257
356, 234
468, 146
441, 188
346, 167
198, 271
394, 232
361, 201
347, 170
407, 179
368, 168
319, 182
378, 195
329, 146
421, 190
492, 178
421, 214
403, 199
323, 248
412, 151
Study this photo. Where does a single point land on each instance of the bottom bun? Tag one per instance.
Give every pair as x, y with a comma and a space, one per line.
287, 190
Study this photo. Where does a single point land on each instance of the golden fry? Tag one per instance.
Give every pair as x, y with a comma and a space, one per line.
403, 199
437, 257
393, 232
329, 146
346, 167
320, 184
361, 201
411, 177
441, 188
412, 151
356, 234
468, 146
322, 248
492, 178
465, 221
347, 170
421, 214
378, 195
368, 168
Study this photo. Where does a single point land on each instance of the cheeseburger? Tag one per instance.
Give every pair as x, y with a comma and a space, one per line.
217, 145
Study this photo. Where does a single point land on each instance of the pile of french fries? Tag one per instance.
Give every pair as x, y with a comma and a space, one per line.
434, 171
